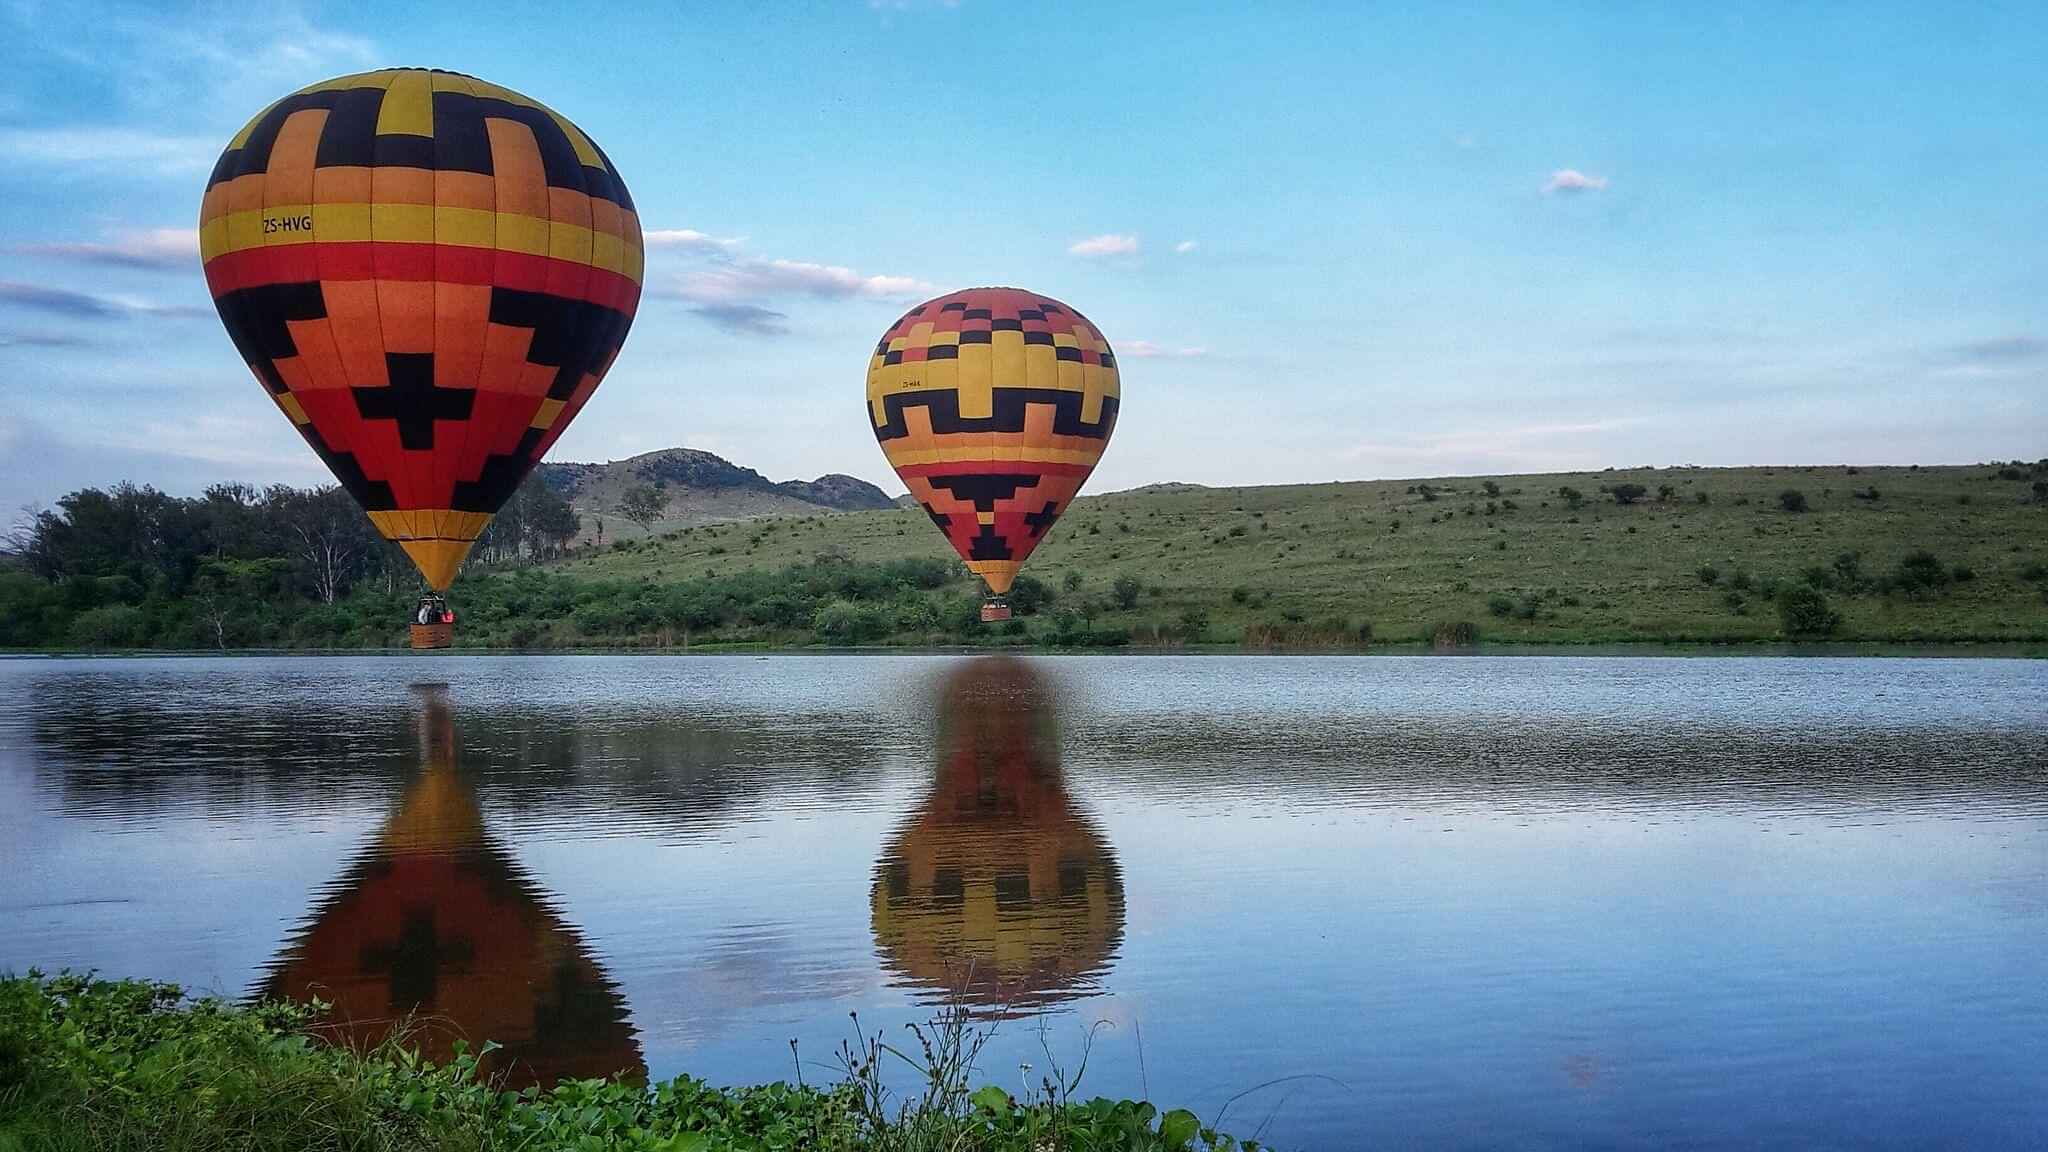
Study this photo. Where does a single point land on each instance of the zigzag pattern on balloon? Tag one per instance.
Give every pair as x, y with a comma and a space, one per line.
430, 274
993, 405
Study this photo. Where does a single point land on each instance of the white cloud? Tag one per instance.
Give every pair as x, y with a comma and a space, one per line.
690, 240
742, 280
155, 248
1185, 247
1147, 350
1107, 244
1571, 181
108, 148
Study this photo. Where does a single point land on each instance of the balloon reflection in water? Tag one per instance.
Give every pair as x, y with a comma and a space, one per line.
439, 922
999, 890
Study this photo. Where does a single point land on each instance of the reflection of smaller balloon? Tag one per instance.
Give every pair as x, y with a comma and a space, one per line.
999, 890
436, 921
993, 405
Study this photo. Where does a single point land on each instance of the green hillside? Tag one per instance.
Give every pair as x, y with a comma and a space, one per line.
1899, 554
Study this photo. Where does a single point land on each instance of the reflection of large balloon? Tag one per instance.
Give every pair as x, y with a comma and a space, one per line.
430, 274
999, 890
436, 919
993, 405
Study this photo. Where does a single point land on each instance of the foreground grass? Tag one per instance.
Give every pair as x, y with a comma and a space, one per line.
115, 1065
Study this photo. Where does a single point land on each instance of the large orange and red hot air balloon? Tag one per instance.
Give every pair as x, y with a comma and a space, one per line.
993, 405
430, 274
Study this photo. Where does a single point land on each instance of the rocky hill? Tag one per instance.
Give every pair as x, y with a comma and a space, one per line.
700, 488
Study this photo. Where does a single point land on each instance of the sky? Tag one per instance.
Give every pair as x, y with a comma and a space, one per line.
1326, 241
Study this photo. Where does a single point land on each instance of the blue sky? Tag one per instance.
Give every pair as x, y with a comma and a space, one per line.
1328, 242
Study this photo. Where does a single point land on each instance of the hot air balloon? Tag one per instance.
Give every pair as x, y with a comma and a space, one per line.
1000, 891
429, 274
993, 405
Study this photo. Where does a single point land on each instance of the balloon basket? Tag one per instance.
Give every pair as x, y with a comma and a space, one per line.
429, 636
995, 611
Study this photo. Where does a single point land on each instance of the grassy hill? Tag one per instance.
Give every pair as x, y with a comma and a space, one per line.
1701, 555
699, 488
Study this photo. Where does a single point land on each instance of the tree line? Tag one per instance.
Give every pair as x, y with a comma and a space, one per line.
135, 566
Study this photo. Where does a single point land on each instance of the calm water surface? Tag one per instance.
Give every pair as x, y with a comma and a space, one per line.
1515, 902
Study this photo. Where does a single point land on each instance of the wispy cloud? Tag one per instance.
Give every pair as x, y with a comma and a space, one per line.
746, 319
107, 148
86, 306
740, 281
2004, 350
1535, 446
734, 292
1185, 247
42, 340
1107, 244
1147, 350
1572, 182
690, 240
156, 248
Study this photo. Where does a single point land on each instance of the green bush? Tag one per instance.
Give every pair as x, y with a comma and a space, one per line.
1124, 590
1627, 493
1709, 575
1920, 573
1792, 500
109, 626
1500, 605
1804, 611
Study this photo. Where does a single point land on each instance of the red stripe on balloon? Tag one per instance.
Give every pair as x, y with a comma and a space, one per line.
995, 468
442, 263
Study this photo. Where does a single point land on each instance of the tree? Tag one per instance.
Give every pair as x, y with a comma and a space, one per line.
1628, 493
1804, 611
1124, 590
327, 534
643, 504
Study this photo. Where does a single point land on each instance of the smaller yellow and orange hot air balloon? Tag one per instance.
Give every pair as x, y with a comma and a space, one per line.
993, 405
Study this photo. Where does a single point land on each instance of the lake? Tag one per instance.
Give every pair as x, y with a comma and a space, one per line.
1473, 901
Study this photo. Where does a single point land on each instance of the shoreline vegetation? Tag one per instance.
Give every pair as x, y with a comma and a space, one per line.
116, 1065
1892, 558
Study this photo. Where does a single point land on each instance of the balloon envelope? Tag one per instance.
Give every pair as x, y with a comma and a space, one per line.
993, 405
430, 274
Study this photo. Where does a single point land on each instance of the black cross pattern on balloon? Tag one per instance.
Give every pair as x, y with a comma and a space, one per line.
413, 399
1042, 519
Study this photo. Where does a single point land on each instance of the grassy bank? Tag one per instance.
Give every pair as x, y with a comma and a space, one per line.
1901, 556
100, 1065
1747, 555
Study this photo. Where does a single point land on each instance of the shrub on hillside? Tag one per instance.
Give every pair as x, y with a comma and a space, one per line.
1628, 493
1500, 605
1573, 498
1804, 611
1124, 590
1920, 573
1709, 574
1792, 500
1029, 594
